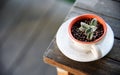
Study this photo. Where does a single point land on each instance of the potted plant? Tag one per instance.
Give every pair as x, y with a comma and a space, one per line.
87, 30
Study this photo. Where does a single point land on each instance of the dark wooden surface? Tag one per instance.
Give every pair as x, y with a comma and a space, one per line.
110, 64
26, 29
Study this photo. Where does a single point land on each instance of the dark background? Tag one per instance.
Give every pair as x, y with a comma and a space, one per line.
26, 29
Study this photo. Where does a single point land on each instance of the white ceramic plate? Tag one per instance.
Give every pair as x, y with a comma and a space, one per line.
69, 50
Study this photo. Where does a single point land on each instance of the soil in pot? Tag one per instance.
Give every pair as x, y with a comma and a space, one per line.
79, 35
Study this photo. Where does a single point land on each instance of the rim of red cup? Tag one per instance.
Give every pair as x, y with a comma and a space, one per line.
87, 16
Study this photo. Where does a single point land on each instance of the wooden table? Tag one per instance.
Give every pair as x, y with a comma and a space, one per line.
108, 65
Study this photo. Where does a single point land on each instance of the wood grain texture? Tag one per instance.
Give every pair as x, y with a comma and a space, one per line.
62, 72
114, 23
108, 65
105, 7
115, 52
104, 66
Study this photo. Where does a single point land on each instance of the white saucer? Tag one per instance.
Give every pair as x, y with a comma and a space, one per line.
67, 48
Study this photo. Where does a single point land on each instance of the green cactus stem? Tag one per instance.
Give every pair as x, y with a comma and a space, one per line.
89, 29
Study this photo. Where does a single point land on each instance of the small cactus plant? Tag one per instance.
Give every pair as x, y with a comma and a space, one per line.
89, 28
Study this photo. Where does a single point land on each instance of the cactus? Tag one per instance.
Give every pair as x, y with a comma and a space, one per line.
89, 28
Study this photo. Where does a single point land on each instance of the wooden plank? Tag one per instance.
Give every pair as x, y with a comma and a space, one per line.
104, 66
110, 64
72, 70
62, 72
114, 23
105, 7
115, 52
